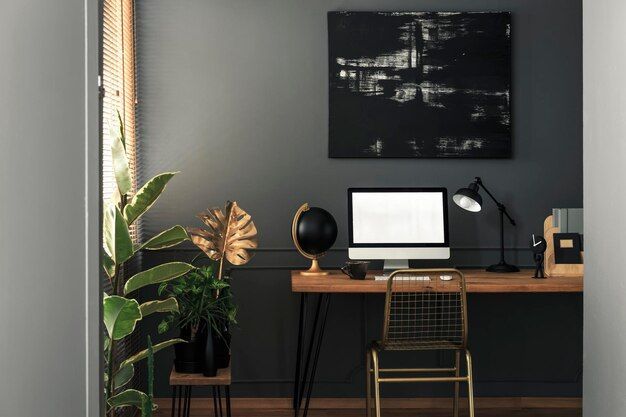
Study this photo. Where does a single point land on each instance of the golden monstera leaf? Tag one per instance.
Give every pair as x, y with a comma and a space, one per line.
231, 234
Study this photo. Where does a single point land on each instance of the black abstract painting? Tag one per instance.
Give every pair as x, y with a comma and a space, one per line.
431, 85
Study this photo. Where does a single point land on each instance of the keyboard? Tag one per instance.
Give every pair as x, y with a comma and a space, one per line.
403, 277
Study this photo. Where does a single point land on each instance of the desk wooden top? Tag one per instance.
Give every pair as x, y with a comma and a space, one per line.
477, 281
222, 378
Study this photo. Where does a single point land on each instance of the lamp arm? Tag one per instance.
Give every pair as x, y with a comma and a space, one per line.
501, 206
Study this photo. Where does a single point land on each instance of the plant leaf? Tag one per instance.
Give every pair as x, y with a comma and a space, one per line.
169, 305
123, 241
120, 165
108, 231
146, 196
160, 273
120, 316
231, 234
166, 239
144, 353
128, 398
123, 376
108, 264
118, 244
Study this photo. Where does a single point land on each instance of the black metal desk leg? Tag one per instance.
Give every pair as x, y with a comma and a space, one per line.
227, 393
301, 333
173, 400
317, 353
309, 353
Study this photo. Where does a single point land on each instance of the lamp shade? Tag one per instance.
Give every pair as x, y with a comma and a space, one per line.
468, 198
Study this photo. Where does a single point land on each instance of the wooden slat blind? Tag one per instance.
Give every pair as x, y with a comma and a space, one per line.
118, 82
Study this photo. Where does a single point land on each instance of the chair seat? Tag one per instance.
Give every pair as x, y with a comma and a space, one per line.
413, 345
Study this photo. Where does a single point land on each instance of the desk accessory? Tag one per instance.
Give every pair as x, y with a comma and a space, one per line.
469, 199
314, 231
538, 246
567, 248
551, 267
355, 269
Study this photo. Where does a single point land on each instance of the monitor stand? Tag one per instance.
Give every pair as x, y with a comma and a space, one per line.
394, 264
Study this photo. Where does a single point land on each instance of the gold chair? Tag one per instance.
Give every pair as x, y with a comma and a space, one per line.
422, 315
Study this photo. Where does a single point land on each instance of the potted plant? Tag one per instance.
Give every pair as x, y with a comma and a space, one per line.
121, 311
205, 310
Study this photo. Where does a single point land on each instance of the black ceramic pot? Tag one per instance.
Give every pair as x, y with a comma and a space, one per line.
189, 356
209, 366
221, 345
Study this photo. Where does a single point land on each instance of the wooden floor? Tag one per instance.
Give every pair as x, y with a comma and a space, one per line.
485, 412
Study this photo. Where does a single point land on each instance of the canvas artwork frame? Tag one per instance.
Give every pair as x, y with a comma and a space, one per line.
419, 84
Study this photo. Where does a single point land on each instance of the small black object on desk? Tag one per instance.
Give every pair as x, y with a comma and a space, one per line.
538, 245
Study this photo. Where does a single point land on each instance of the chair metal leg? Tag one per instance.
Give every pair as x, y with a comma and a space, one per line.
470, 383
301, 333
227, 393
457, 387
376, 382
368, 384
215, 401
320, 339
173, 400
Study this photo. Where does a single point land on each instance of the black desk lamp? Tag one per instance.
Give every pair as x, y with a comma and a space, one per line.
469, 199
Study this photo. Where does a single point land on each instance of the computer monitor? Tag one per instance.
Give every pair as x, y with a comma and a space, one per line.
398, 224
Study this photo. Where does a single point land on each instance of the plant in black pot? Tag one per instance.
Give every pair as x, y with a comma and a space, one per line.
205, 310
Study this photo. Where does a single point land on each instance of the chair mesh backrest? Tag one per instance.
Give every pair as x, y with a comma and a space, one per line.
425, 314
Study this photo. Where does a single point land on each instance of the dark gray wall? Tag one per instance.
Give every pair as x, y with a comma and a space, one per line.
233, 93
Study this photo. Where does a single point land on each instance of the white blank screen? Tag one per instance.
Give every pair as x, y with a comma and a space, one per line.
402, 217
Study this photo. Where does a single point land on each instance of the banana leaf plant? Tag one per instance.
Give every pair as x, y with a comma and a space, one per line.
121, 311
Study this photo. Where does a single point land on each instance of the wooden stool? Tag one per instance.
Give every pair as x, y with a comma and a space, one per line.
182, 384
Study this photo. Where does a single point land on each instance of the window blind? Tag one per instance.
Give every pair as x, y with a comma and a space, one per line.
118, 86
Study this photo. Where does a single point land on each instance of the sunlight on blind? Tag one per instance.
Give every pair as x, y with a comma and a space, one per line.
118, 82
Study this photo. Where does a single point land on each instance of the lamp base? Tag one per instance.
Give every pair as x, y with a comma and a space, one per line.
502, 267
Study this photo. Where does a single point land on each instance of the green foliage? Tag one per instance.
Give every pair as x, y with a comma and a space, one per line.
202, 298
120, 312
120, 166
120, 316
146, 196
166, 239
169, 305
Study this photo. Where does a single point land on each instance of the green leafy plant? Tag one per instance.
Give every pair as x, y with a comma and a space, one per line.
121, 311
197, 295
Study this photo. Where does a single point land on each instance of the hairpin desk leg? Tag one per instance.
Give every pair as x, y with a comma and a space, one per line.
309, 353
301, 332
317, 351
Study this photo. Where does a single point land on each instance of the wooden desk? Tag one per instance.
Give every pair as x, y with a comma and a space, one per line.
477, 281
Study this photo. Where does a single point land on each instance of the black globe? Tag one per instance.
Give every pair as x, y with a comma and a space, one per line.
316, 231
